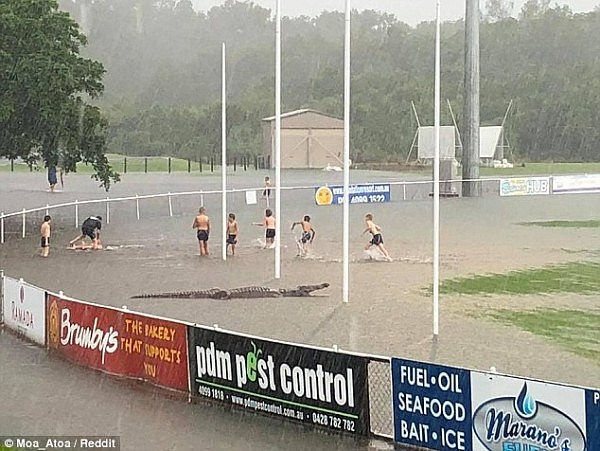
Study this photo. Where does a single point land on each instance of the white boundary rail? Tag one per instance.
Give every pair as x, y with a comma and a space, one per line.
77, 203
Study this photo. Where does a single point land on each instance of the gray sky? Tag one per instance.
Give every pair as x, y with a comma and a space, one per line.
410, 11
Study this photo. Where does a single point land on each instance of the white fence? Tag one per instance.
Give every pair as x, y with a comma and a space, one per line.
410, 190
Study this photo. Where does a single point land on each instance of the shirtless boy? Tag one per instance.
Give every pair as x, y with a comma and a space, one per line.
377, 239
202, 223
232, 232
308, 234
45, 236
269, 224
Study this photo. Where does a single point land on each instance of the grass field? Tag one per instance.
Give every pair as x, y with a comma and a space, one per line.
592, 223
134, 164
578, 331
574, 277
160, 164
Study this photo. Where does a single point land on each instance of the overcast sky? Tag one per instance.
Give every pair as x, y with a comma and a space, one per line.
409, 11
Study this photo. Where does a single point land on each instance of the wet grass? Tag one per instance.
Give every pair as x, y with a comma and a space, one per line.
592, 223
578, 331
574, 277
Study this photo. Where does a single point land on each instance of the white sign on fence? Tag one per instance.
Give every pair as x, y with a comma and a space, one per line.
24, 309
587, 183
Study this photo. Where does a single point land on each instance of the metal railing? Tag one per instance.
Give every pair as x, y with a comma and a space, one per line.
411, 190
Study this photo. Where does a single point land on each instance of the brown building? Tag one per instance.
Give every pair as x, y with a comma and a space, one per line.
309, 139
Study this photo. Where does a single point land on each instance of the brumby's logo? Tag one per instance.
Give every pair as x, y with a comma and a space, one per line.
53, 325
71, 333
524, 424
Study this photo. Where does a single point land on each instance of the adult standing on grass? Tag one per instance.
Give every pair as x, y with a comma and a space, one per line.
45, 236
52, 181
202, 224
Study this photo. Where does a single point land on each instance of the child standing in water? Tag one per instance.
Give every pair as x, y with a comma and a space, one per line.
202, 223
45, 236
269, 224
377, 239
232, 232
308, 235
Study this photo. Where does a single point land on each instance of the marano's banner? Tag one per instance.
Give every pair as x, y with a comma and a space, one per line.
24, 309
303, 384
445, 408
119, 342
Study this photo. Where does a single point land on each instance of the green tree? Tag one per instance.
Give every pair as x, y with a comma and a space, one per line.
44, 81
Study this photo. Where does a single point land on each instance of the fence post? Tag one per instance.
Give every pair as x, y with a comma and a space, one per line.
245, 162
137, 206
256, 162
200, 167
146, 165
125, 165
12, 165
234, 164
76, 213
2, 227
23, 223
201, 199
170, 206
107, 210
47, 209
212, 163
403, 191
189, 165
169, 165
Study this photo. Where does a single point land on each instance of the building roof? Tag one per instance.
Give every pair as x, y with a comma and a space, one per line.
299, 112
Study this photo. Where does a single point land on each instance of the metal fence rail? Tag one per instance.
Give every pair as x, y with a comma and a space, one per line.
406, 190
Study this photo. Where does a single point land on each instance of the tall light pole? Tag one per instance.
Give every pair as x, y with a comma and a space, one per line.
470, 156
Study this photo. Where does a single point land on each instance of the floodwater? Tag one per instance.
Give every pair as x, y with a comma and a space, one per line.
389, 312
42, 395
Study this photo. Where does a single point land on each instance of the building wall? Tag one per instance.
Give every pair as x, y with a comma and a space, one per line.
308, 140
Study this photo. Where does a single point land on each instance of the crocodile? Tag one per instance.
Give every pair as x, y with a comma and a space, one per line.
252, 292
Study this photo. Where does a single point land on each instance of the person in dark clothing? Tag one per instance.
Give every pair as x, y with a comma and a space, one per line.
91, 228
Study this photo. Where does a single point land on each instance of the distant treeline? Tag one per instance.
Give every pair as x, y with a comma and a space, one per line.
163, 80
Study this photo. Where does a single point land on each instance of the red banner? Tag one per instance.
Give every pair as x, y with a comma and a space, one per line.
118, 342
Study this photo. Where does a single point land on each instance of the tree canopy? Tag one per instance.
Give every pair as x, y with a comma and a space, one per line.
163, 78
45, 83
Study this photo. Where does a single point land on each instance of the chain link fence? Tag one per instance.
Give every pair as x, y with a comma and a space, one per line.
380, 398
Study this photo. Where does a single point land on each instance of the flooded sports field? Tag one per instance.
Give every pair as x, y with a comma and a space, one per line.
389, 312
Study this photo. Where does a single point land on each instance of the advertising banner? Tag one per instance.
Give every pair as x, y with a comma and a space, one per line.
444, 408
527, 186
24, 309
592, 408
586, 183
432, 405
514, 414
306, 385
359, 194
119, 342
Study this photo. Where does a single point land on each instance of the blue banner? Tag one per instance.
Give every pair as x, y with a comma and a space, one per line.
592, 412
359, 194
432, 405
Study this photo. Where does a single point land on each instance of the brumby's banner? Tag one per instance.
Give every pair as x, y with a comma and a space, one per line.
119, 342
311, 386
